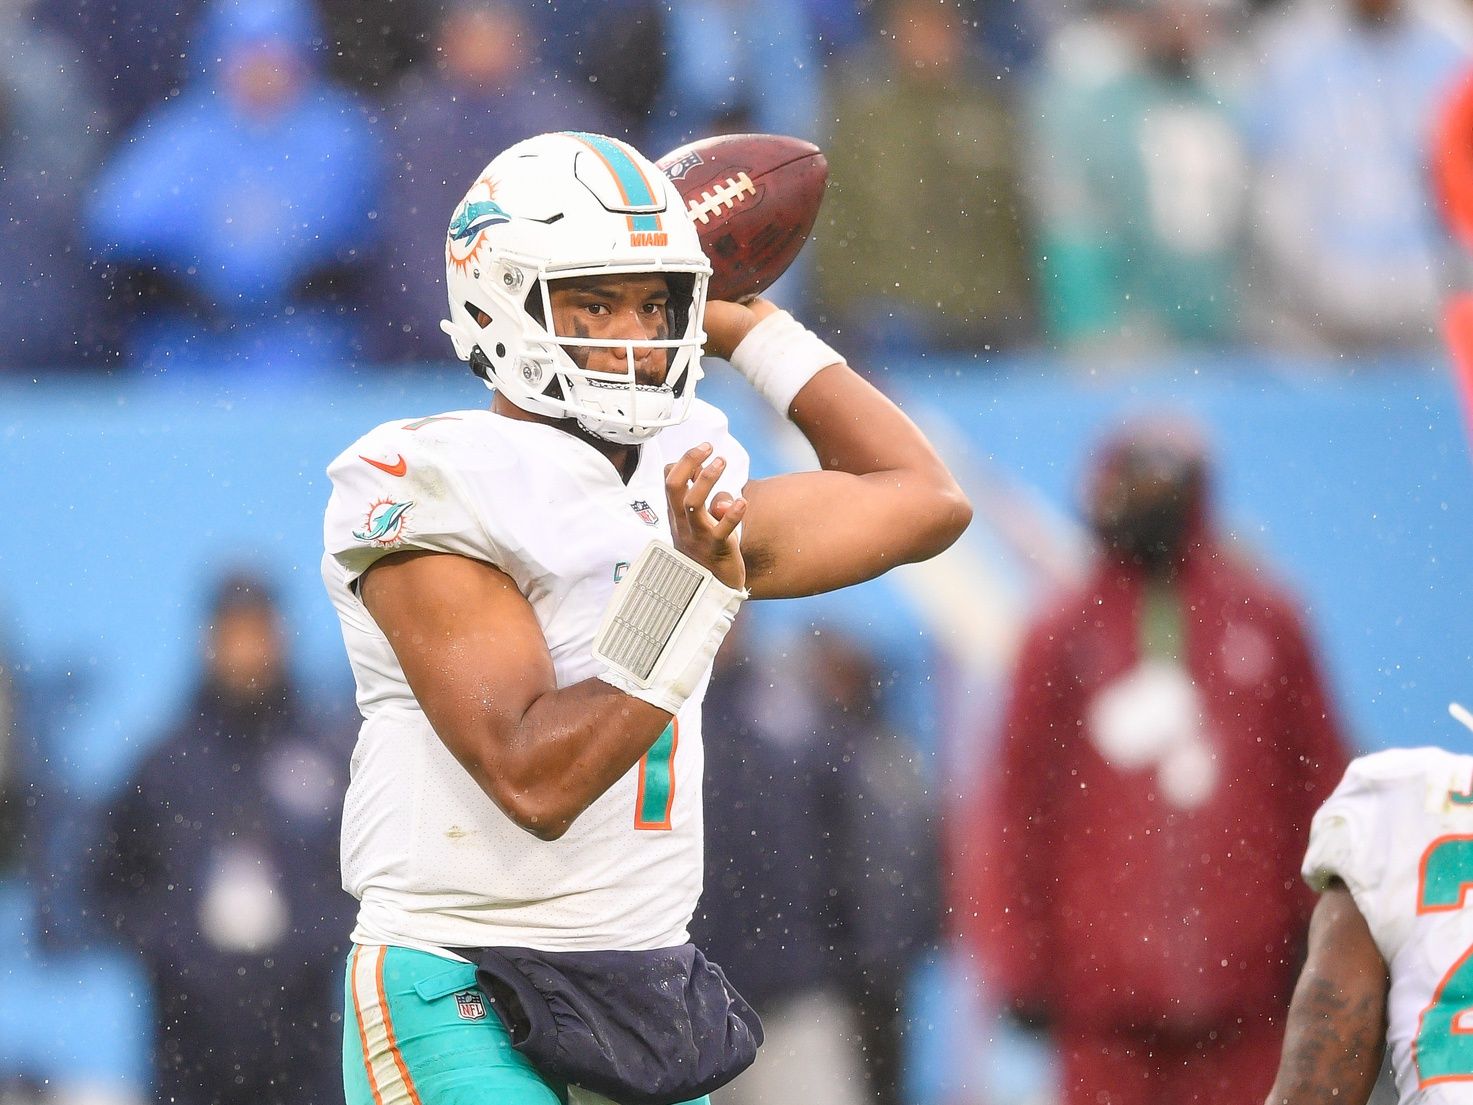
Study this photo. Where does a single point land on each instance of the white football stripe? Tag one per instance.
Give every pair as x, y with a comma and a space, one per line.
370, 1003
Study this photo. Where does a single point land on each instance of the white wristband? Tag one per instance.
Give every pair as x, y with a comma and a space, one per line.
779, 355
663, 625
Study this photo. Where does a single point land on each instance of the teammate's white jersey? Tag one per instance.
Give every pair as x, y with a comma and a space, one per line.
1398, 831
432, 859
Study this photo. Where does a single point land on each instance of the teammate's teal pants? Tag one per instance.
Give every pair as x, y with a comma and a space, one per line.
418, 1032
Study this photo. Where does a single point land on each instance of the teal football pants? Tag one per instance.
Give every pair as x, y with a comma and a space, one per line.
417, 1031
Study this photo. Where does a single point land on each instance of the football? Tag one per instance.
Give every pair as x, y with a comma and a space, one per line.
754, 198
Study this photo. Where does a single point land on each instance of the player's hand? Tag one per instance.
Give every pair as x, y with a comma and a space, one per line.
705, 532
728, 323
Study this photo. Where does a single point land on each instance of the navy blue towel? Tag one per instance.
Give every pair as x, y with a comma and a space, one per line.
643, 1028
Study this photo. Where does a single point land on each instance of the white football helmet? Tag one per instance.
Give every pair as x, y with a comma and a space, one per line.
552, 208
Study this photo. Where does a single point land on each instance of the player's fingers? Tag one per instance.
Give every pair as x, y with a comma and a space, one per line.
685, 469
720, 504
730, 518
701, 487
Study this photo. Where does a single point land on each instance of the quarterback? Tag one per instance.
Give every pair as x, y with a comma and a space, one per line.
1391, 941
531, 596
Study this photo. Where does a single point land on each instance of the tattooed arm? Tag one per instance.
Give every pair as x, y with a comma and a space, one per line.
1337, 1023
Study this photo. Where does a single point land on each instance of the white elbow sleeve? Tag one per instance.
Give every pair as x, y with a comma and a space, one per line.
663, 625
779, 355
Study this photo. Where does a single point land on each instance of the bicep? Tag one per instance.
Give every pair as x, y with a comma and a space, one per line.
811, 532
468, 641
1336, 1032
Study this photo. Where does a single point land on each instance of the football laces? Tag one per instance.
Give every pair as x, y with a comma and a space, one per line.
725, 195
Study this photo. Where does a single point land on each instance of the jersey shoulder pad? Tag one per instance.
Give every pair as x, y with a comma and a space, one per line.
706, 419
409, 485
708, 423
1348, 837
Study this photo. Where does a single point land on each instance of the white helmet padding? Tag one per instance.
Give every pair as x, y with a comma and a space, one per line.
557, 207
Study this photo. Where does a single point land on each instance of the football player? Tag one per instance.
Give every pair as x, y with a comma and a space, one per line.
1391, 941
531, 596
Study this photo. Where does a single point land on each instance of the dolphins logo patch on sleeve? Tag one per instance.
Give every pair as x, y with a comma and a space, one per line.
384, 525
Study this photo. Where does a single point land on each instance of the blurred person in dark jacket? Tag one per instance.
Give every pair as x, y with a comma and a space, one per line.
219, 863
882, 856
821, 838
1166, 742
762, 916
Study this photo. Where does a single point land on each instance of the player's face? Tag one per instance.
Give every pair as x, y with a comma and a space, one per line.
628, 308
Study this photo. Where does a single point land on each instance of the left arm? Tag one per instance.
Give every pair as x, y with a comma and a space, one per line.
883, 497
1337, 1022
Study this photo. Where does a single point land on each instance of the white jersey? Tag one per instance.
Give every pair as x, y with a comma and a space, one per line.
433, 861
1398, 831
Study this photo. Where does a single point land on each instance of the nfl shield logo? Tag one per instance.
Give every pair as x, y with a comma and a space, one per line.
646, 513
470, 1006
683, 166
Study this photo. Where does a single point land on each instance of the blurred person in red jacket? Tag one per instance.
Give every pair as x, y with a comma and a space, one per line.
1166, 742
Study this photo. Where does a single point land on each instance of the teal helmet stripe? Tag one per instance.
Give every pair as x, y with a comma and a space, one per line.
632, 181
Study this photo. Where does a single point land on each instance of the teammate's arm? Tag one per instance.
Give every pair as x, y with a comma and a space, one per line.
883, 498
1336, 1033
475, 657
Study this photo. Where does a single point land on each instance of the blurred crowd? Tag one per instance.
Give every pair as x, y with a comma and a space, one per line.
208, 183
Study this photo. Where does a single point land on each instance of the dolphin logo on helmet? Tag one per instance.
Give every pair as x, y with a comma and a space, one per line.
475, 216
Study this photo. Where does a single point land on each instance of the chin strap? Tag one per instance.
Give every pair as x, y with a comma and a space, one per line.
467, 349
460, 337
480, 364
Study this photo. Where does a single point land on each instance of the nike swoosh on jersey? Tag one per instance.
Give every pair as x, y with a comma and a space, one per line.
398, 468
